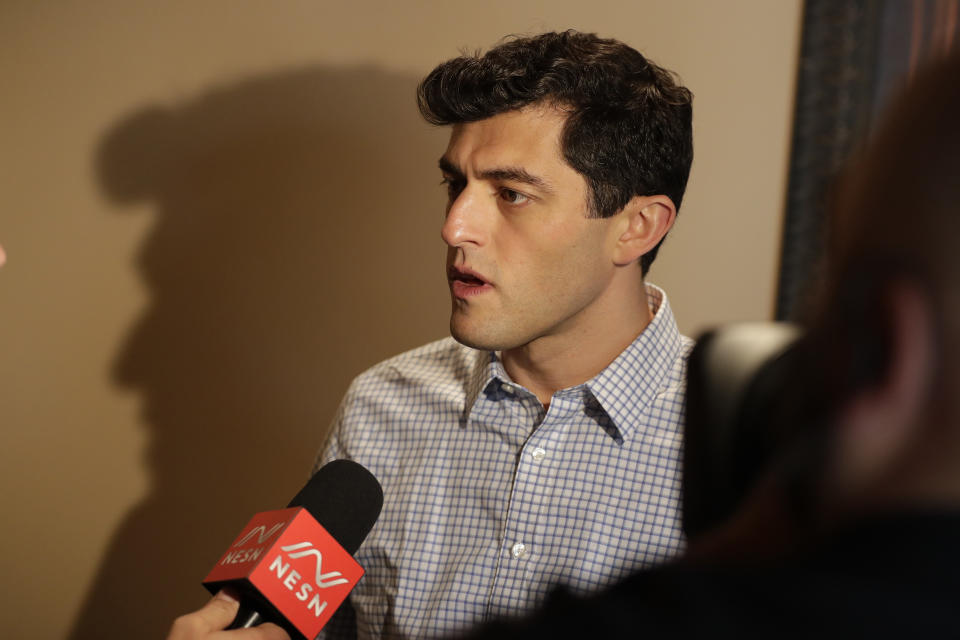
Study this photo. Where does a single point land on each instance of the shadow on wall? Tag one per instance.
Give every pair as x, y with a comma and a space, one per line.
296, 243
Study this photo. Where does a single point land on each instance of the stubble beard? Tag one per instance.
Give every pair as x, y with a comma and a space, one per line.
483, 338
498, 335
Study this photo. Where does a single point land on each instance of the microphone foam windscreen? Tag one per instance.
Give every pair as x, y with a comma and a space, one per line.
345, 499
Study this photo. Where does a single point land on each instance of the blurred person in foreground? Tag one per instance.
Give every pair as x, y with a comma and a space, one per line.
854, 528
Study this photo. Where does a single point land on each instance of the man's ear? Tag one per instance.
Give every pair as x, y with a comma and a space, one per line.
643, 222
880, 420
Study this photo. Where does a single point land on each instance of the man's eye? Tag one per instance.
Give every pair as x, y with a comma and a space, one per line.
513, 197
454, 187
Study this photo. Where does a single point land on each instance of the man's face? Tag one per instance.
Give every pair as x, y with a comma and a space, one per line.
524, 260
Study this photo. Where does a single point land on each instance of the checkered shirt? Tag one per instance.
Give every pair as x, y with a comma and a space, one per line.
489, 500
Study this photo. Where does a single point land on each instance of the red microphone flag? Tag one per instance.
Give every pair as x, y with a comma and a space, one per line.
287, 560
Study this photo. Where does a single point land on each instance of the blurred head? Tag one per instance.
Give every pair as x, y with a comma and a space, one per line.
870, 417
885, 342
626, 122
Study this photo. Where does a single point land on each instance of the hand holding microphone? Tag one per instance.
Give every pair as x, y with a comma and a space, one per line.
294, 566
209, 623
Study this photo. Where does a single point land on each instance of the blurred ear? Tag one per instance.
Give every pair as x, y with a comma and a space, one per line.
643, 222
880, 420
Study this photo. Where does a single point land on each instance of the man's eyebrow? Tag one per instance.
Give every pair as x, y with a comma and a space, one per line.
515, 174
447, 167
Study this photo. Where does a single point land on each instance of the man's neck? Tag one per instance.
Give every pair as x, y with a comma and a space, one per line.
579, 352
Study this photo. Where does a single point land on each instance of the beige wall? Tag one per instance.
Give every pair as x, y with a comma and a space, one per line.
218, 211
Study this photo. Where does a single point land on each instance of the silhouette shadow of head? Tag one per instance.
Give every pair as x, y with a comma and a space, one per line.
295, 243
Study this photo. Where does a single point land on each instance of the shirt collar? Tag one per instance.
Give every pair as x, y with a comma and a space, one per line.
630, 383
487, 370
625, 388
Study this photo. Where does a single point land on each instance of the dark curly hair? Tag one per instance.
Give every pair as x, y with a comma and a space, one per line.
629, 128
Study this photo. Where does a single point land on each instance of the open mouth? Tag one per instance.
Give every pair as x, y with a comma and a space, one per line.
465, 282
466, 278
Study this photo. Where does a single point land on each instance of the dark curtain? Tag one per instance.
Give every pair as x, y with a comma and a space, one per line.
853, 55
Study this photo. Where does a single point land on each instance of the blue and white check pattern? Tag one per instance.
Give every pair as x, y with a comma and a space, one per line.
489, 501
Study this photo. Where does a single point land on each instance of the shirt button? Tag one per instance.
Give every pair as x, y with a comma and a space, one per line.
538, 454
506, 387
519, 550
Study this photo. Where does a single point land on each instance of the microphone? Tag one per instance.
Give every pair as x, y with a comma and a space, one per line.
294, 567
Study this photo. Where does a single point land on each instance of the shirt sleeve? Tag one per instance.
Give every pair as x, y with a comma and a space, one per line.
333, 448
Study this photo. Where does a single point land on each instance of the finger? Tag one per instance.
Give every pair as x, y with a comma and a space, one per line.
214, 615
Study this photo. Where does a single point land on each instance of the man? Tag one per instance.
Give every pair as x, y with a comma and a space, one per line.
853, 532
539, 445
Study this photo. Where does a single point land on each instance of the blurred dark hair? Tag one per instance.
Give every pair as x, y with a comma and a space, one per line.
629, 125
765, 429
895, 217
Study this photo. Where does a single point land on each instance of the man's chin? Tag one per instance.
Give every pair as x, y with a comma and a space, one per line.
475, 339
469, 341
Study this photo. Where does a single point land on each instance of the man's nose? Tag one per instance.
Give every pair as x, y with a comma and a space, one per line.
466, 220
